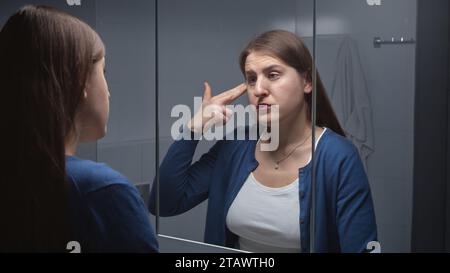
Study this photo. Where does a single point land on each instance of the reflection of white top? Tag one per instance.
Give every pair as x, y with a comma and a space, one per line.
266, 219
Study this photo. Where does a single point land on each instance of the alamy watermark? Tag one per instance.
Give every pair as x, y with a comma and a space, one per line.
246, 123
73, 247
73, 2
373, 247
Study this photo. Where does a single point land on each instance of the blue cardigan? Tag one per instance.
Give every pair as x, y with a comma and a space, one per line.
107, 212
345, 218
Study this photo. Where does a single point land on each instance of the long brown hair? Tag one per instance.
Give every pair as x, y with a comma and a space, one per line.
46, 57
287, 47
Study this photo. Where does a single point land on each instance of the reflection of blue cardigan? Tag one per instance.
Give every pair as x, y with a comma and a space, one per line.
345, 218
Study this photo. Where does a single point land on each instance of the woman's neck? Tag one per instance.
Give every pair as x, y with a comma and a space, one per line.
293, 130
71, 144
294, 133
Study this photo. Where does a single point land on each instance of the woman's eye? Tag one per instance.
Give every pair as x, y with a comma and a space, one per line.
251, 80
274, 75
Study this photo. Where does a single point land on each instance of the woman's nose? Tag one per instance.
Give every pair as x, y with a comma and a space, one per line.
261, 88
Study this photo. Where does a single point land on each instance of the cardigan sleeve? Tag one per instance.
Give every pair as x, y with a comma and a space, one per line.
183, 185
355, 212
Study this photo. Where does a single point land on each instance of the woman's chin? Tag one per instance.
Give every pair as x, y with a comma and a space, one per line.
93, 136
267, 120
102, 133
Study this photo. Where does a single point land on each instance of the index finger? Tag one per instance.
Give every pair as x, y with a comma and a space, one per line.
232, 94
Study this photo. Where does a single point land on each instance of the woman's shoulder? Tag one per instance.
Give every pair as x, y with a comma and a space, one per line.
91, 176
336, 145
337, 154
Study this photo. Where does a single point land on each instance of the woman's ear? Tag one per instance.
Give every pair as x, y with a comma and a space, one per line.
307, 88
307, 85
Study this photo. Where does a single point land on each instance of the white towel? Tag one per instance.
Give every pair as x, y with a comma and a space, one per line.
351, 101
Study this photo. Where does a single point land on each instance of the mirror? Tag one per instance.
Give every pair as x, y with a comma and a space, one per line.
201, 41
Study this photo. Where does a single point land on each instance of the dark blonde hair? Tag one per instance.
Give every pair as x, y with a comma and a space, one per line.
46, 58
290, 49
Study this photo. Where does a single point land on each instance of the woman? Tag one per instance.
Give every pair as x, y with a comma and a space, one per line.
54, 96
259, 200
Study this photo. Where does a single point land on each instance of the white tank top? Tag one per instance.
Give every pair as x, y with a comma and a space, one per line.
266, 219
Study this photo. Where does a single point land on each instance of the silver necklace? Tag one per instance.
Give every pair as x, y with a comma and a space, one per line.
277, 162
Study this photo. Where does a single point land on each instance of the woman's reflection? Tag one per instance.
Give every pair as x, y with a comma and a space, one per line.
259, 200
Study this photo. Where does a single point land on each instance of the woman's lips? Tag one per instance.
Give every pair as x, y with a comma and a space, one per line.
264, 108
264, 105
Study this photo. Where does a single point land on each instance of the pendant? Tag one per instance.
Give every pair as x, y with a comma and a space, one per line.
277, 166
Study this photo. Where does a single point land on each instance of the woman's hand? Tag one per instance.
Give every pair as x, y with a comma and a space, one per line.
213, 109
